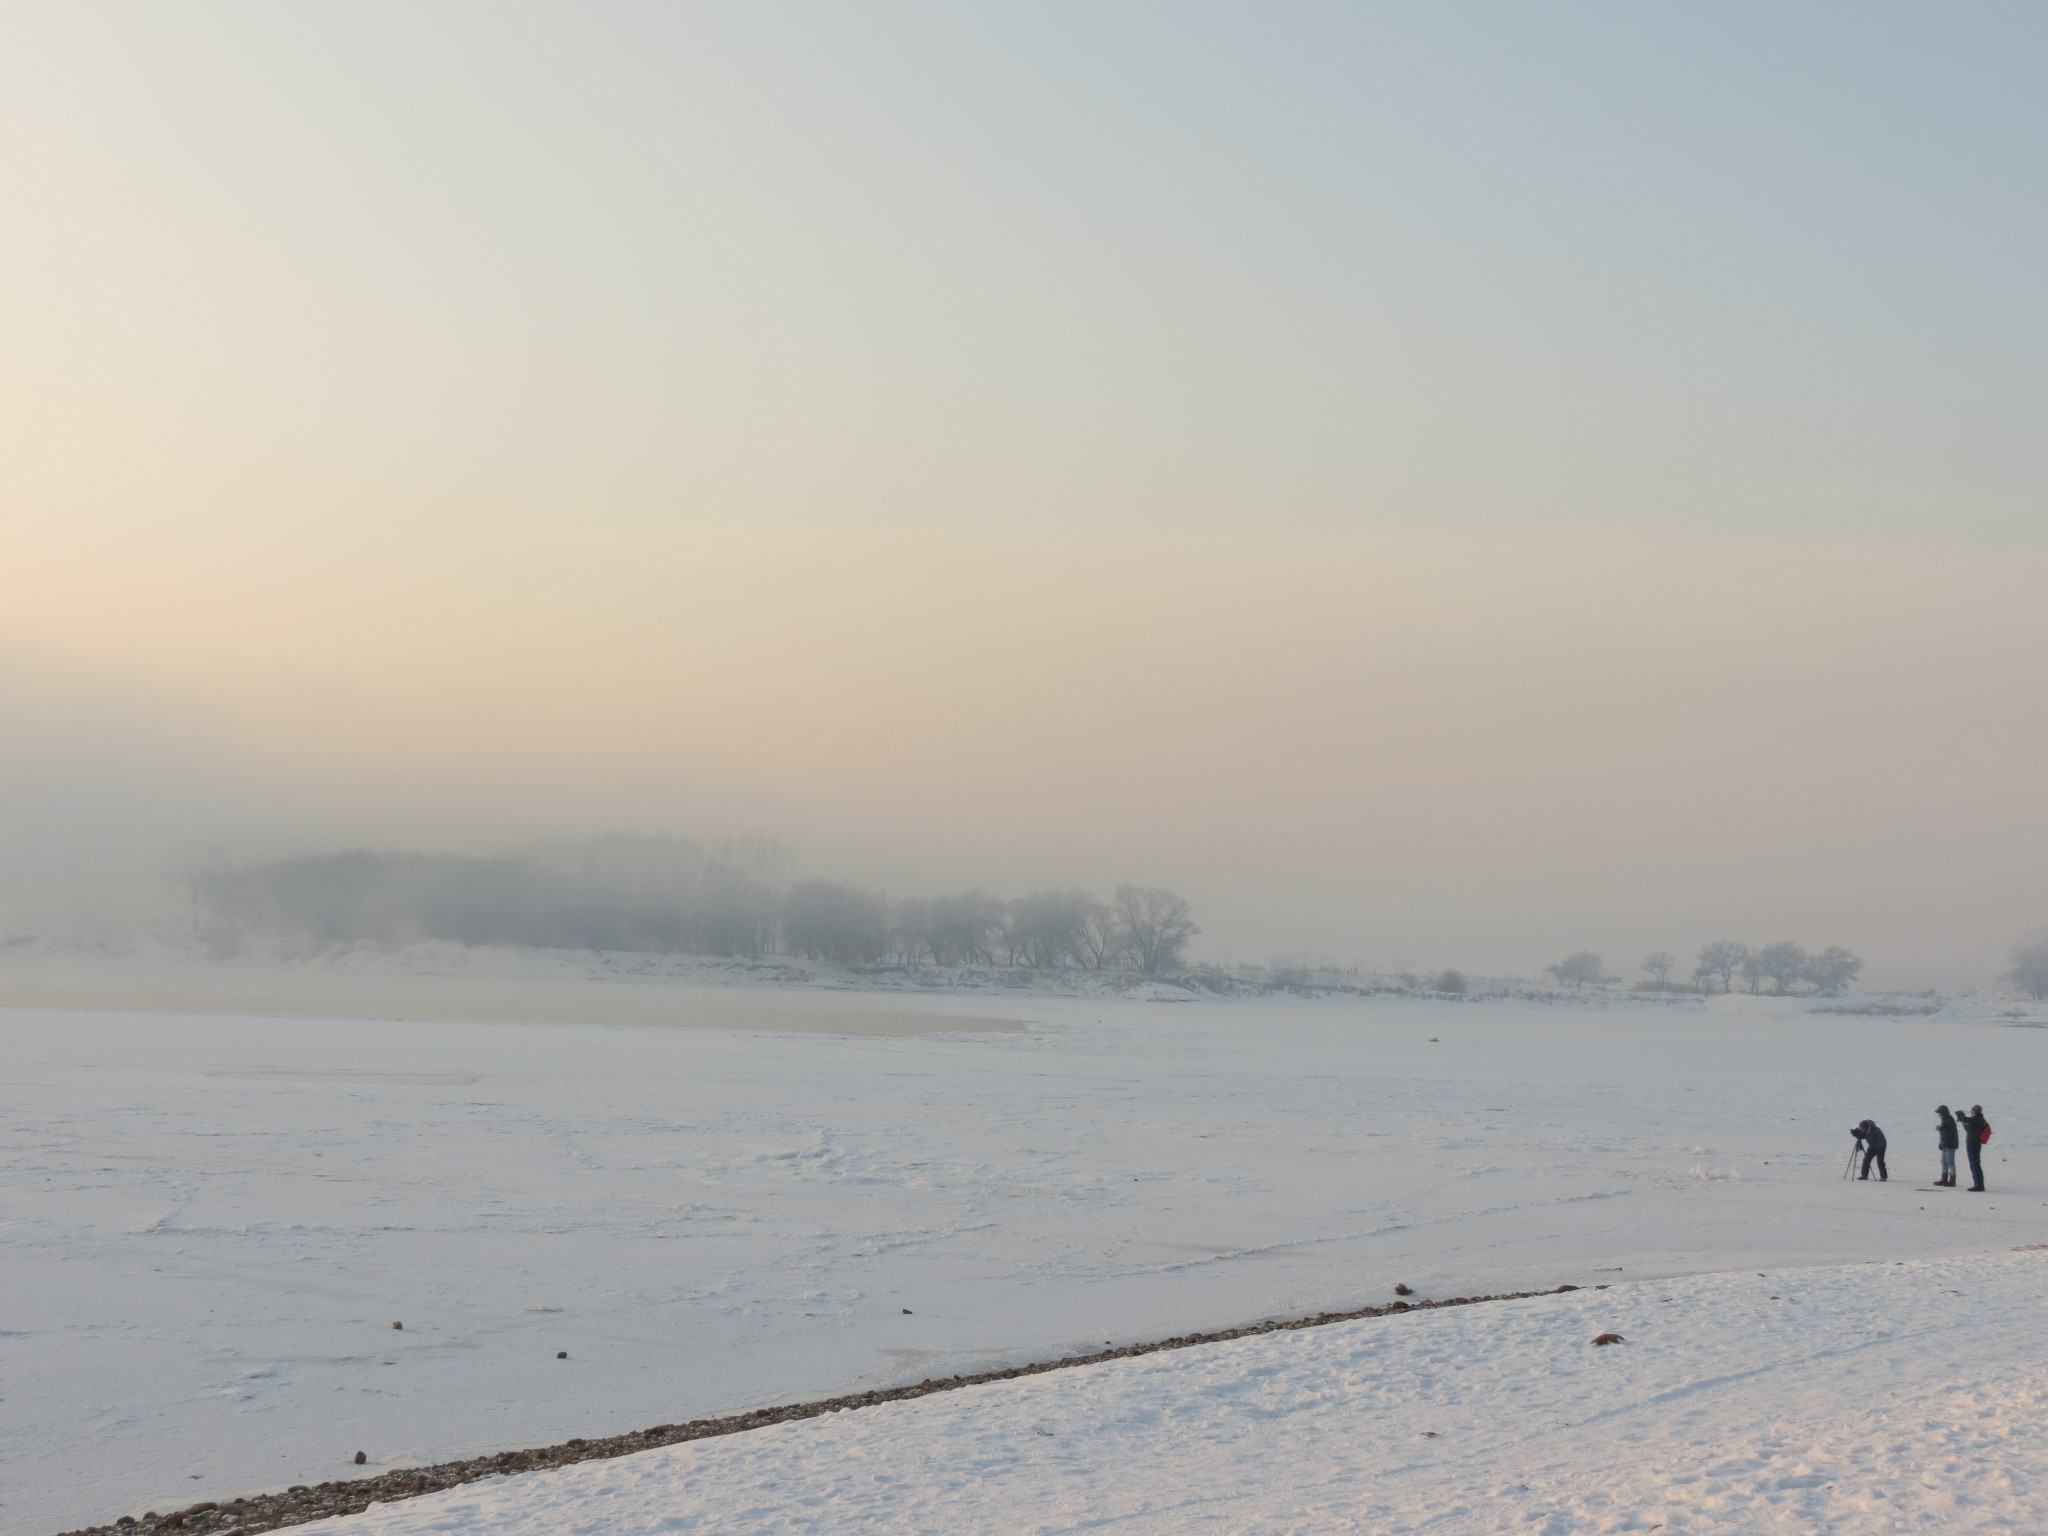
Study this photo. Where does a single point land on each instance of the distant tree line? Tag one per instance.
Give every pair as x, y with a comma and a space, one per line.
1786, 966
673, 895
1141, 927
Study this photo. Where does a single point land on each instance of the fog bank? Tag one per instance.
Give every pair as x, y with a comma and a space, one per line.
1409, 753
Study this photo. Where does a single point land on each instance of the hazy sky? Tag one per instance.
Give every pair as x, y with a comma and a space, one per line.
1437, 484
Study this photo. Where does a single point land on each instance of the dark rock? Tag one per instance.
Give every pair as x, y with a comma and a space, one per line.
1609, 1338
561, 1354
362, 1458
1404, 1289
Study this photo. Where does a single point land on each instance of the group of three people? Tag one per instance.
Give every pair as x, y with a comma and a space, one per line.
1972, 1130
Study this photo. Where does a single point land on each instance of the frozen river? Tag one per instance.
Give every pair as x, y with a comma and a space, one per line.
209, 1224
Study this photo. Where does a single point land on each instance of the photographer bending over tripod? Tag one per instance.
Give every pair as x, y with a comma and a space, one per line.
1871, 1140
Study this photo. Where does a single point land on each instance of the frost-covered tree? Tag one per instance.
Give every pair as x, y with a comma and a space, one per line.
963, 928
1657, 965
1719, 961
2030, 968
910, 932
827, 921
1832, 969
1047, 928
1784, 964
1102, 936
739, 913
1156, 926
1580, 968
1751, 969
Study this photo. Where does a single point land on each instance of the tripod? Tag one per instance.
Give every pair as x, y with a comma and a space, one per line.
1849, 1168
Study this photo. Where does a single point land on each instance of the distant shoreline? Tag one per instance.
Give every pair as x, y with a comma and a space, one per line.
196, 987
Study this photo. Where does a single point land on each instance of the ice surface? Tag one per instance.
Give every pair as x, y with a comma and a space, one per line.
210, 1223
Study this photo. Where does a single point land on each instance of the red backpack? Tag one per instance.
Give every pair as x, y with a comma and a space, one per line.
1985, 1134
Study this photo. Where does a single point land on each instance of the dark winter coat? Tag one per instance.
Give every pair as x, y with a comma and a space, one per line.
1871, 1136
1973, 1128
1946, 1130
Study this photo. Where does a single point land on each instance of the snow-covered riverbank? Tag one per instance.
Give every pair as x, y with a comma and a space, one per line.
1841, 1400
212, 1222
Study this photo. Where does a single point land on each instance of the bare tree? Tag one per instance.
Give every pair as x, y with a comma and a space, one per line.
1719, 961
1832, 969
1783, 963
1102, 936
1579, 968
1156, 926
2030, 968
1658, 964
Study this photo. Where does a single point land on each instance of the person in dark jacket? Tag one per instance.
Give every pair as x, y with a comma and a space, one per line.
1871, 1139
1946, 1138
1975, 1127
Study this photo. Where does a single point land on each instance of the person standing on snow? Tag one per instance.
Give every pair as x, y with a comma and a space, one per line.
1946, 1138
1976, 1131
1871, 1139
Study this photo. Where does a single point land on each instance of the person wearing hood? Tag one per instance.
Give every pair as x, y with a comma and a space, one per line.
1976, 1131
1947, 1139
1871, 1139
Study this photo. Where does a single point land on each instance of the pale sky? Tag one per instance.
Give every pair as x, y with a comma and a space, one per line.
1435, 484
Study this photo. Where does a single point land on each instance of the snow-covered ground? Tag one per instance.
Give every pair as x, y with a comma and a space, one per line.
208, 1224
1851, 1400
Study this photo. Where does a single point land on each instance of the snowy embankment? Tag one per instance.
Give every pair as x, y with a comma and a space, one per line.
211, 1223
1867, 1398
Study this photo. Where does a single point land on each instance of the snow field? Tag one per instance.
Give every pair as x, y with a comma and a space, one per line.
208, 1224
1857, 1399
